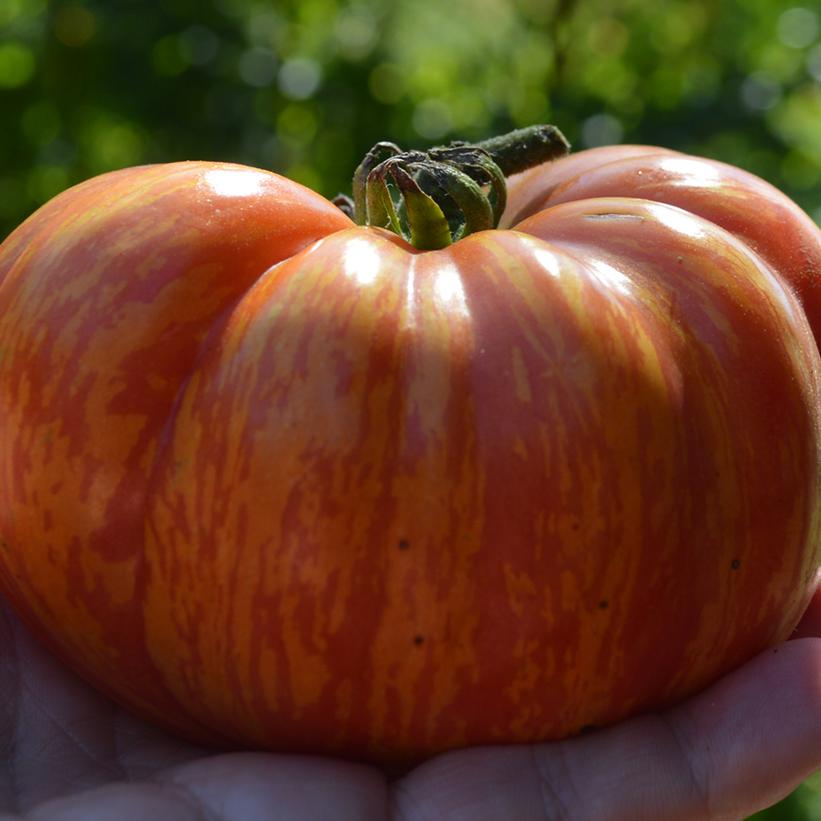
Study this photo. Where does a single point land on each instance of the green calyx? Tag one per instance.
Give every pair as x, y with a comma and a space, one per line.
433, 198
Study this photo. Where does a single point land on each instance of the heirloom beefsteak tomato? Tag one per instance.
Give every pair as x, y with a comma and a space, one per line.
275, 480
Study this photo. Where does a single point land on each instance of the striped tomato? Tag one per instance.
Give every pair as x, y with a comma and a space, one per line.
273, 479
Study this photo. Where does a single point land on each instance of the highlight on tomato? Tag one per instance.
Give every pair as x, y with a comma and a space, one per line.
509, 444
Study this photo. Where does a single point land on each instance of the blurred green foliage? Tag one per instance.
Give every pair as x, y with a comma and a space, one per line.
305, 87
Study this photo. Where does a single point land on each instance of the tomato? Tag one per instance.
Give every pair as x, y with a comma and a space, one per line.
274, 480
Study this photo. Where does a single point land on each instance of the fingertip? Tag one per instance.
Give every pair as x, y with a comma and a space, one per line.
756, 734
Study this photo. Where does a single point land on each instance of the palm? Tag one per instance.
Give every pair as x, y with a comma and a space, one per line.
70, 754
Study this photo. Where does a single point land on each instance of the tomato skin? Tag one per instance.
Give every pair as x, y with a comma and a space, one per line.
768, 221
382, 503
107, 292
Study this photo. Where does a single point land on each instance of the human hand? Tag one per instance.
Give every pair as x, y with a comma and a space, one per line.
739, 746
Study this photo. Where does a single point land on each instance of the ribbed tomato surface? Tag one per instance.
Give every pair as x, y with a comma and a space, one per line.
274, 480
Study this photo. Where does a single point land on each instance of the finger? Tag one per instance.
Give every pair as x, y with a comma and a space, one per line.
125, 802
235, 787
249, 786
739, 746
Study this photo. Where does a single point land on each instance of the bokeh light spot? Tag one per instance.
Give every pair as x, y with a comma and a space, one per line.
299, 78
760, 91
432, 119
16, 65
798, 27
258, 67
601, 129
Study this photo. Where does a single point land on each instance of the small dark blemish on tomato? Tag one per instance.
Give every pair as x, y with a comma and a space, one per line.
735, 564
604, 604
417, 640
587, 729
404, 544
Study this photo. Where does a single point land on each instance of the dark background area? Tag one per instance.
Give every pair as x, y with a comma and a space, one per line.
305, 88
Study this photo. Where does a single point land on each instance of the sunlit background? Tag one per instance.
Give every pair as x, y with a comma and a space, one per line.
305, 87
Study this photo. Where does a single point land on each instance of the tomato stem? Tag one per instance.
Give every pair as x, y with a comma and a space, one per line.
438, 196
526, 147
